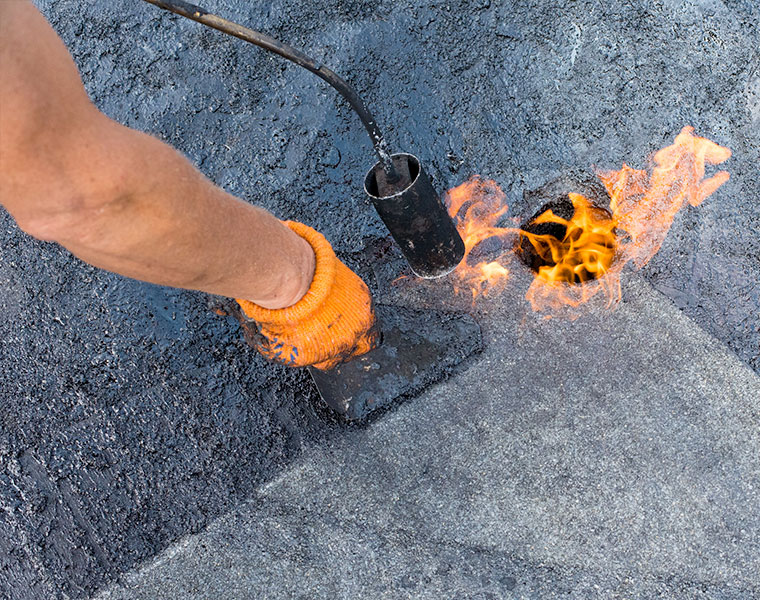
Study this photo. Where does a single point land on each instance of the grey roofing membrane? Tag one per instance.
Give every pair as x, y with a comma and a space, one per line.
624, 463
147, 452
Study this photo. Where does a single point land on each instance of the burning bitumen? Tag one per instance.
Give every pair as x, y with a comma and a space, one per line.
569, 239
576, 247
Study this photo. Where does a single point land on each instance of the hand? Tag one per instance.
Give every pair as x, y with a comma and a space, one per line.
332, 323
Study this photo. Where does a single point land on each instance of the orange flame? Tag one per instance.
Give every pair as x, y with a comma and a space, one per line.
476, 207
581, 263
645, 205
586, 250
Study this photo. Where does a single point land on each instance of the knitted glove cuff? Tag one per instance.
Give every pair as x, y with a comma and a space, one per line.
324, 276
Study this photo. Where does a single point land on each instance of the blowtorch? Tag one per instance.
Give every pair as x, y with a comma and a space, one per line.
418, 348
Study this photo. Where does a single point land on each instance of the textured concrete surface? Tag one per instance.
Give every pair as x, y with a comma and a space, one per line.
620, 464
132, 417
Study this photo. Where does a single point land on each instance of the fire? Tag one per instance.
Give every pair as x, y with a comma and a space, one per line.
586, 250
579, 265
596, 245
476, 207
645, 204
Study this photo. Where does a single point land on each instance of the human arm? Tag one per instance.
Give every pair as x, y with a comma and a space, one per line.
122, 200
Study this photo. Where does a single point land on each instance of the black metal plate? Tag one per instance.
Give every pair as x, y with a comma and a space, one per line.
419, 348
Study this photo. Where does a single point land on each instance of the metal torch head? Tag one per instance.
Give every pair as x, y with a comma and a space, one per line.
416, 217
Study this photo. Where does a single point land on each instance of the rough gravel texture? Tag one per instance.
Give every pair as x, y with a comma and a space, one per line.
132, 416
621, 472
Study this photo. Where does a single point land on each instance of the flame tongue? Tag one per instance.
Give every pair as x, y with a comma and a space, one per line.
645, 205
586, 250
578, 265
477, 206
585, 254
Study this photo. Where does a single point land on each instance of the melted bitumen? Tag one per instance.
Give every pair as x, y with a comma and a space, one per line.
131, 415
418, 348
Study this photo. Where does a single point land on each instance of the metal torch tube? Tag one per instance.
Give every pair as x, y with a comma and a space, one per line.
417, 220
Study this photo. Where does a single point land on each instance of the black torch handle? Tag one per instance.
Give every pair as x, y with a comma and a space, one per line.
196, 13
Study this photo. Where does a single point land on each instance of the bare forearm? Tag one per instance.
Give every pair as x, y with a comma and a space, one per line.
120, 199
169, 225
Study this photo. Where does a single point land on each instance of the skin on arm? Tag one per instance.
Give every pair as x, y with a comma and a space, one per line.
122, 200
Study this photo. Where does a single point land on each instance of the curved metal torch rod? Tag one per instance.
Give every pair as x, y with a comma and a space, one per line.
196, 13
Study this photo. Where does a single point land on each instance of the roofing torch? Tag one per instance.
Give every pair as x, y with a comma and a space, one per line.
399, 188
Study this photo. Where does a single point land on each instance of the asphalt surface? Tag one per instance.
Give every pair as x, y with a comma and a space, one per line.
617, 451
592, 459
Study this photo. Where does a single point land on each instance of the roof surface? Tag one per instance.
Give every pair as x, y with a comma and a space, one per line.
616, 454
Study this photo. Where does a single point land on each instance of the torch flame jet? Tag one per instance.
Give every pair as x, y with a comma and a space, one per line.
595, 247
645, 205
476, 206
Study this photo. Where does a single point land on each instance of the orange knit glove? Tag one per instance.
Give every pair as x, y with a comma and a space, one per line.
333, 322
